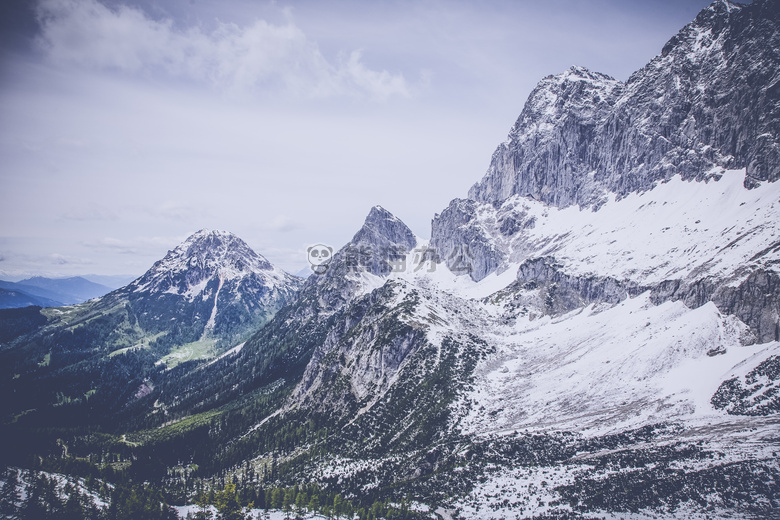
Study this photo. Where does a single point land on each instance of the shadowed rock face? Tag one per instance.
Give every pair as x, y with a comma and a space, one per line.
462, 243
382, 236
755, 301
710, 100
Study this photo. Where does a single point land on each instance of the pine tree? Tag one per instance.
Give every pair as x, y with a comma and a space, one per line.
314, 502
9, 494
227, 504
73, 509
32, 507
338, 506
201, 500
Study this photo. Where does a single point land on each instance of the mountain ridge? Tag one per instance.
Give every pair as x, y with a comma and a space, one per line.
595, 332
58, 291
635, 134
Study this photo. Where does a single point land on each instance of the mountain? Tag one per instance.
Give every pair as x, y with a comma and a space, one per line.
708, 102
277, 355
60, 291
205, 296
211, 285
600, 333
11, 299
593, 333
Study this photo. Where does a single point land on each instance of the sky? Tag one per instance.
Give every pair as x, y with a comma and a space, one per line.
127, 125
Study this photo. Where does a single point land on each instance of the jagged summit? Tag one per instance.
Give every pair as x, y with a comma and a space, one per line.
562, 111
382, 240
383, 229
575, 92
220, 249
213, 283
708, 102
204, 255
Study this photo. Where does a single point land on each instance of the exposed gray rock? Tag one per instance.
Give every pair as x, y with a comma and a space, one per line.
382, 240
361, 354
542, 287
755, 300
565, 292
710, 100
550, 150
461, 242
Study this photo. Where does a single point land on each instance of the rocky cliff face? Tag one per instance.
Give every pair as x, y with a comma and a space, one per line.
550, 152
709, 101
357, 349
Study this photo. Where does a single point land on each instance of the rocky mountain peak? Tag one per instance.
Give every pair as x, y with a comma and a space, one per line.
382, 229
382, 240
221, 249
576, 92
708, 102
202, 256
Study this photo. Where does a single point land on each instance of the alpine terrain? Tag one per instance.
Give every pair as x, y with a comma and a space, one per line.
88, 363
593, 332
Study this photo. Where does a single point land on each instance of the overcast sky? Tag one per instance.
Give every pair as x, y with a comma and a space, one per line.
127, 125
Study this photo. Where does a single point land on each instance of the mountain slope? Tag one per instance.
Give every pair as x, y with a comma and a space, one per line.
206, 295
594, 333
598, 337
13, 299
585, 353
282, 349
212, 285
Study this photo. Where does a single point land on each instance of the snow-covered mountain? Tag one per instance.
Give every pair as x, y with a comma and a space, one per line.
593, 333
205, 296
707, 102
607, 297
215, 282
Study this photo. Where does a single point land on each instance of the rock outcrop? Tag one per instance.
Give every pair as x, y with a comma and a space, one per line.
710, 100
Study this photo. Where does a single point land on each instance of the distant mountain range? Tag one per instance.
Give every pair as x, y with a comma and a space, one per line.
49, 292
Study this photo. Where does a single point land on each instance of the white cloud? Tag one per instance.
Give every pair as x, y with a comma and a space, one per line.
261, 56
59, 259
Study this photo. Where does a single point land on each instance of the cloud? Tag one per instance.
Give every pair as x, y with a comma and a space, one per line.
59, 259
259, 57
